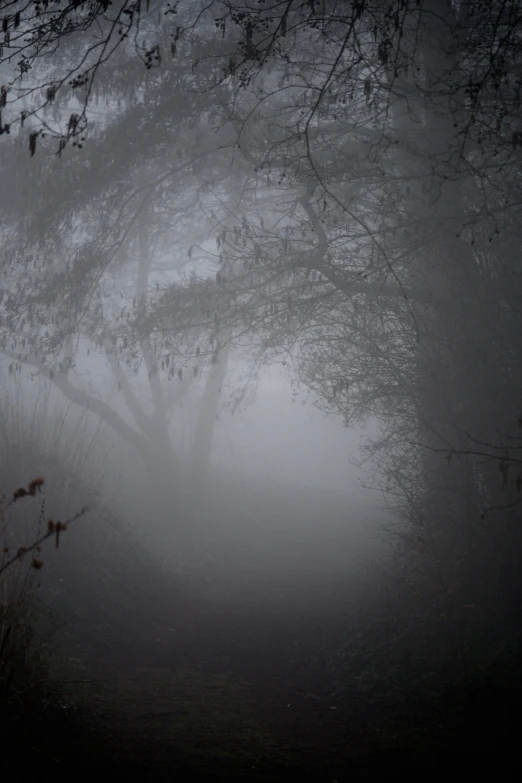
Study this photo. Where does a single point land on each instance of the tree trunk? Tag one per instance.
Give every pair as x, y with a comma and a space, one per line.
204, 434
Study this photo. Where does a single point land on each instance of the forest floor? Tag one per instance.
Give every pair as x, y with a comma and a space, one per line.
242, 694
238, 701
263, 719
247, 708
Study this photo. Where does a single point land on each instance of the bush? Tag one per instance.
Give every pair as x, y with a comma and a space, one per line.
28, 691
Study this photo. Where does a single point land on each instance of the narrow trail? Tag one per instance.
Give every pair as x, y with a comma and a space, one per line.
242, 698
224, 673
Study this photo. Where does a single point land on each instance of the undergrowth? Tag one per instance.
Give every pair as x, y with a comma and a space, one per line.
31, 695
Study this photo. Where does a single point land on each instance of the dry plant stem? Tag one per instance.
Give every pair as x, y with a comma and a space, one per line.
20, 554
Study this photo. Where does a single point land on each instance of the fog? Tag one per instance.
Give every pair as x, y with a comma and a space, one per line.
288, 441
260, 365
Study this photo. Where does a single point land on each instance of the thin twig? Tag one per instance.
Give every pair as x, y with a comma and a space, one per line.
23, 551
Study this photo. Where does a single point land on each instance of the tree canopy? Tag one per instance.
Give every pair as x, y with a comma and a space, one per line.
333, 185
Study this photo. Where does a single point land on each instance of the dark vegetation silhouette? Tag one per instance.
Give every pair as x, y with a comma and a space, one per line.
197, 192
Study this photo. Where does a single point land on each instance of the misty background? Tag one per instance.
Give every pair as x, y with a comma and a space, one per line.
260, 371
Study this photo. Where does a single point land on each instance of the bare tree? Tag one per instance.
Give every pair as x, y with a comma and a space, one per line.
374, 247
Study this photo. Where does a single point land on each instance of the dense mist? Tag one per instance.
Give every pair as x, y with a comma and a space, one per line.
260, 361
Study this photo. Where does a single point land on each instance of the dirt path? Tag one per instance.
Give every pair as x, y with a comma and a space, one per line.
215, 725
241, 701
225, 688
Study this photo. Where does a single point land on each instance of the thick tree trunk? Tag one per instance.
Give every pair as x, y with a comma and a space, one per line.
202, 445
446, 270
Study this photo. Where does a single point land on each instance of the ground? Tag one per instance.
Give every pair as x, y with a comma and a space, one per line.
239, 687
238, 701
